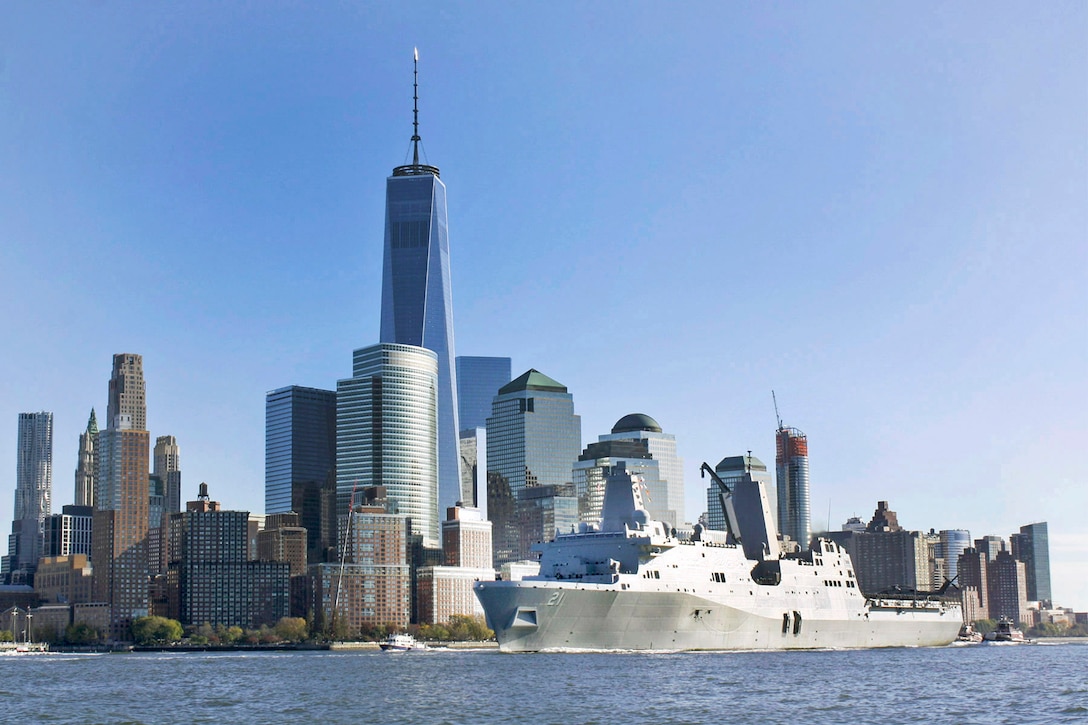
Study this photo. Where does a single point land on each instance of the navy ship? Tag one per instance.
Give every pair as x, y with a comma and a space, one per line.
632, 583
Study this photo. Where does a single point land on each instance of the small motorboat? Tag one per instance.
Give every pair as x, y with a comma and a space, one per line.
403, 643
969, 634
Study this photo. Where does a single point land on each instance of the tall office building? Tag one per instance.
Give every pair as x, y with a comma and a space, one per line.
990, 545
417, 302
953, 543
157, 534
664, 497
127, 395
1007, 587
167, 466
1032, 546
478, 382
937, 567
533, 439
87, 467
974, 583
33, 495
299, 443
731, 470
386, 419
791, 464
300, 460
122, 507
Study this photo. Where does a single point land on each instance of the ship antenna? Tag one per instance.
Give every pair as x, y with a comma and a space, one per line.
415, 107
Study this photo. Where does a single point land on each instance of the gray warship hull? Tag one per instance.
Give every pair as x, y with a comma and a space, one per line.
634, 584
531, 616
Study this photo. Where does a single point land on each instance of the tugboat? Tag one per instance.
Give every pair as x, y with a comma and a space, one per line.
403, 643
1006, 632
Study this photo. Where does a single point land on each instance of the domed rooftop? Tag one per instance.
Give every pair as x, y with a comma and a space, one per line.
634, 422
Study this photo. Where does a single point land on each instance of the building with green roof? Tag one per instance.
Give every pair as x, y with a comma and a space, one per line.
533, 439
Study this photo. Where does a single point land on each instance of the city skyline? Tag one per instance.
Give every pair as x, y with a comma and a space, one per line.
892, 203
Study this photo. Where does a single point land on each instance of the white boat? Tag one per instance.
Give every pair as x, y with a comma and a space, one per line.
403, 643
969, 634
631, 584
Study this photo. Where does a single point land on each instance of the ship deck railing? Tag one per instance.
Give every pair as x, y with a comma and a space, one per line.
711, 544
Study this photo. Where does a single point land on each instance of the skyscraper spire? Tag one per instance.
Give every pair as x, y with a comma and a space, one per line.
415, 107
87, 465
415, 168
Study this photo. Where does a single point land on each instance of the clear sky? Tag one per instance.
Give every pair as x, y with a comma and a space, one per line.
878, 210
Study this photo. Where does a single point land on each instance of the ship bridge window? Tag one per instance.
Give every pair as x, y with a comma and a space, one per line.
718, 577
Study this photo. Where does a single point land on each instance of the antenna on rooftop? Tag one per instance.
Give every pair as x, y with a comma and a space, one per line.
415, 107
415, 168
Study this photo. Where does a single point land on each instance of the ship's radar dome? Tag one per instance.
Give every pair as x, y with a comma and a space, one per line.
635, 422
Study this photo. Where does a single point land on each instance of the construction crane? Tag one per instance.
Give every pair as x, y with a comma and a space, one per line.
776, 415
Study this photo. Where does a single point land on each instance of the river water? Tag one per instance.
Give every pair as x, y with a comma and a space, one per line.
1037, 683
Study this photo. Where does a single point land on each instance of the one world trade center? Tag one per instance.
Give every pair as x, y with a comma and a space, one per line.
417, 304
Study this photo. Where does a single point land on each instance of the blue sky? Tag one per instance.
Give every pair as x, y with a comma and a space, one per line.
880, 211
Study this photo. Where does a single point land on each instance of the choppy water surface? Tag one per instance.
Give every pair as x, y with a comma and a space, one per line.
1044, 683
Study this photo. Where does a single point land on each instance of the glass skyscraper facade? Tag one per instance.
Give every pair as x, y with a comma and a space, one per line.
386, 424
478, 382
791, 462
417, 303
953, 543
1032, 546
533, 439
299, 444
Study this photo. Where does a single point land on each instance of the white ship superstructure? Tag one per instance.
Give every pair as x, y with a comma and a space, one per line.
633, 585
